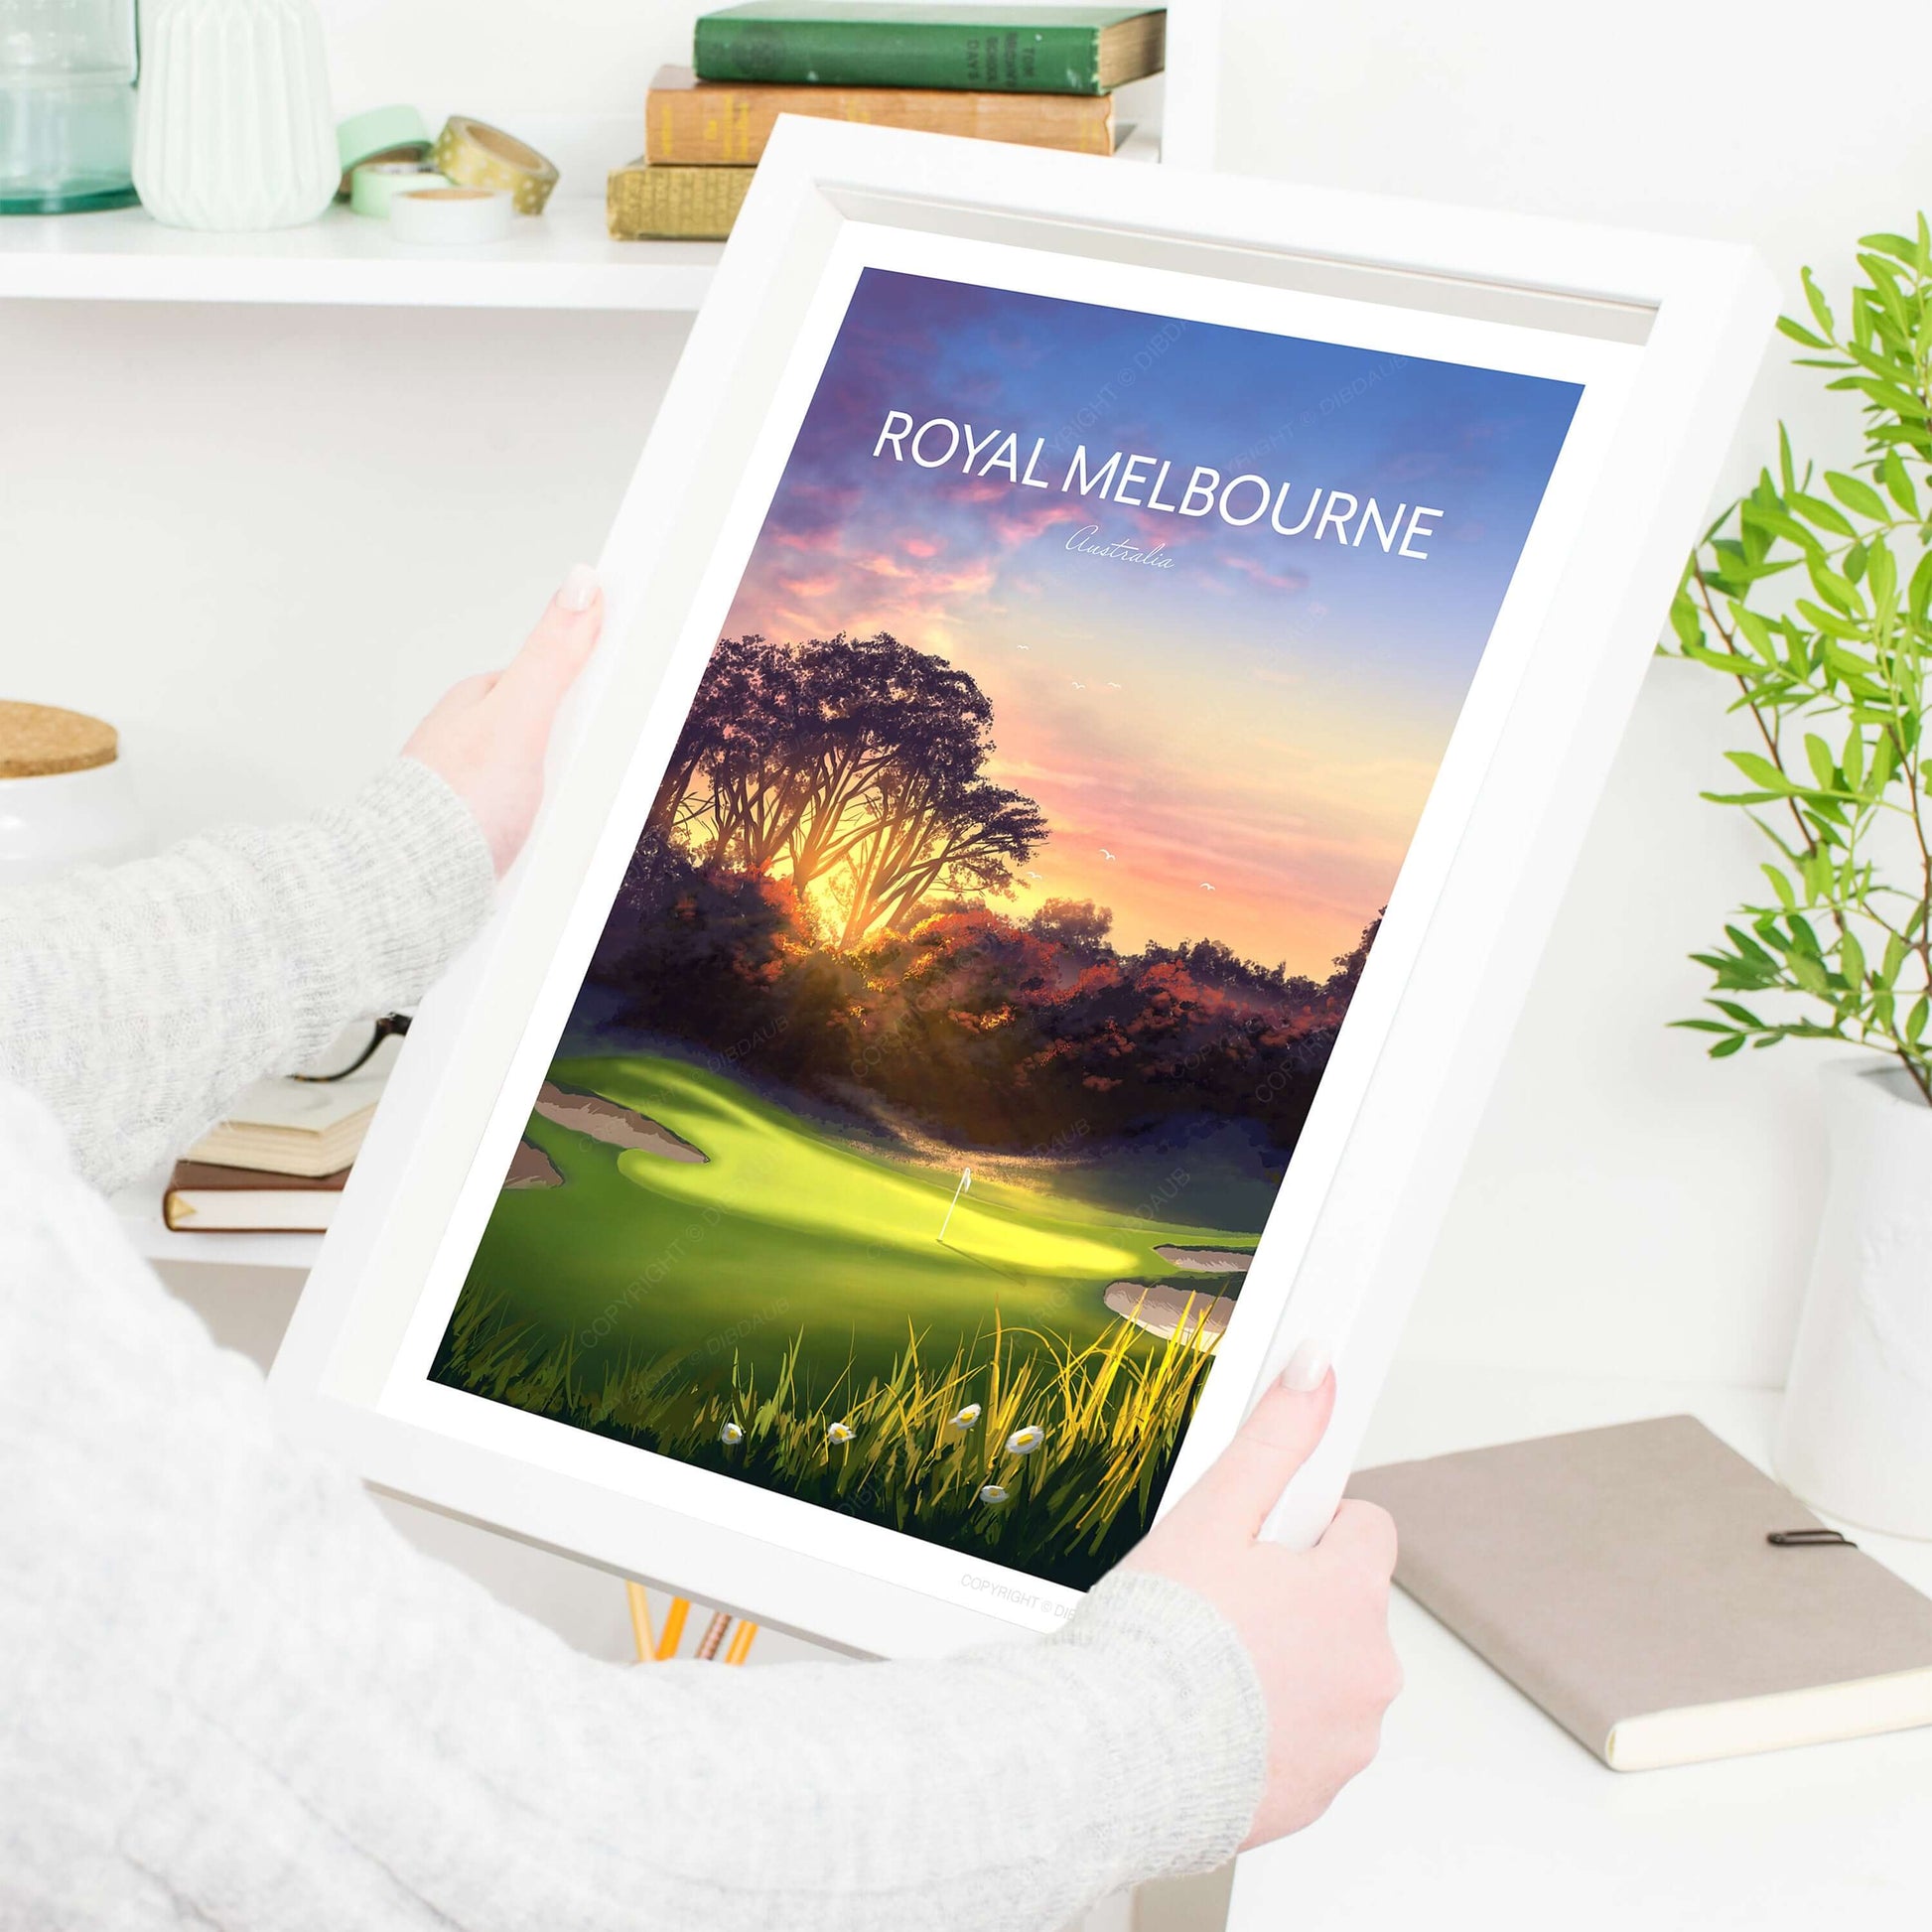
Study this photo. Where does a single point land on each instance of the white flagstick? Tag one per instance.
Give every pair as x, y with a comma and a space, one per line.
965, 1181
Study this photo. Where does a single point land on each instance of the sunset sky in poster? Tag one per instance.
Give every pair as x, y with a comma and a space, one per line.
1265, 716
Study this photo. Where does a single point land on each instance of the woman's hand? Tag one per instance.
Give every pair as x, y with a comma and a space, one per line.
1315, 1621
487, 736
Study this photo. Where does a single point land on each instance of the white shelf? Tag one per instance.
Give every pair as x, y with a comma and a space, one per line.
561, 259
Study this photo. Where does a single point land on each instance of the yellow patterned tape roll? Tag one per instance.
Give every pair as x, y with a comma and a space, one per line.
476, 155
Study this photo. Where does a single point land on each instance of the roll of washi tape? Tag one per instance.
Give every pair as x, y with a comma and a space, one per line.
478, 156
383, 134
376, 184
451, 214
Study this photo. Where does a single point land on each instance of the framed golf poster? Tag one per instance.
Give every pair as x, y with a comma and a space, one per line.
1100, 696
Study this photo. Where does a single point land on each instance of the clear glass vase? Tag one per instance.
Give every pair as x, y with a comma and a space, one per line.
66, 105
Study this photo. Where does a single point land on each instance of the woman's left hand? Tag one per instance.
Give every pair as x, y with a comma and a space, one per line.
487, 735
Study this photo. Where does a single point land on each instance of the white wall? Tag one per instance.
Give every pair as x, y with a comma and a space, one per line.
1628, 1207
260, 540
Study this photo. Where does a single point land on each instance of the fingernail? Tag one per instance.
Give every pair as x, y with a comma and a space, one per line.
1307, 1366
577, 591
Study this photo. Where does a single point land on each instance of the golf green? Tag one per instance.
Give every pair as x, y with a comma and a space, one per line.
783, 1229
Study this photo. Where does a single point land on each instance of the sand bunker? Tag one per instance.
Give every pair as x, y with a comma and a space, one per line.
530, 1166
1208, 1261
1160, 1307
614, 1125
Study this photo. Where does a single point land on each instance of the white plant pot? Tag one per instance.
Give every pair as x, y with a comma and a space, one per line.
1854, 1436
234, 130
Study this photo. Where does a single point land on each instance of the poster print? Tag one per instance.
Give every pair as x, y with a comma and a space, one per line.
974, 974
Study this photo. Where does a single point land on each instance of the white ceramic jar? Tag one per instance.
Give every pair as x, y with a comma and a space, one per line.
234, 130
1854, 1434
64, 797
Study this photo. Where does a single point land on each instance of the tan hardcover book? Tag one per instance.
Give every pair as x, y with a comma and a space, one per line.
712, 123
297, 1127
1623, 1580
202, 1198
648, 203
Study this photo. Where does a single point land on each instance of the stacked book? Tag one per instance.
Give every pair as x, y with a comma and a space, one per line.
278, 1161
1044, 76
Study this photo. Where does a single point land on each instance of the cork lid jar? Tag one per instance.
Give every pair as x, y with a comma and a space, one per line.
64, 798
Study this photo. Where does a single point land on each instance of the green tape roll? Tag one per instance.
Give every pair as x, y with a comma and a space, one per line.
383, 134
373, 187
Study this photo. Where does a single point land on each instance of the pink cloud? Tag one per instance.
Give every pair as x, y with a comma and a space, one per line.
1022, 524
921, 546
1274, 580
828, 538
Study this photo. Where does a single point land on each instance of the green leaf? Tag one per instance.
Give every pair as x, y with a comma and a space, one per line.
1857, 494
1821, 312
1896, 954
1892, 244
1723, 1049
1755, 632
1819, 754
1815, 510
1850, 960
1916, 1019
1899, 485
1781, 885
1762, 771
1810, 974
1918, 594
1799, 333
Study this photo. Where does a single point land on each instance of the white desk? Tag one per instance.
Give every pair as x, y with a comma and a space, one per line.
1482, 1811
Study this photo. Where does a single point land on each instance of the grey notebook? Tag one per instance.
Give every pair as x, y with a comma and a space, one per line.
1621, 1578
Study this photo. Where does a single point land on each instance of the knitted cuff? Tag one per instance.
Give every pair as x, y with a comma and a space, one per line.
1196, 1779
417, 877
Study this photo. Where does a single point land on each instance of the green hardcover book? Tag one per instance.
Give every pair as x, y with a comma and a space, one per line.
996, 50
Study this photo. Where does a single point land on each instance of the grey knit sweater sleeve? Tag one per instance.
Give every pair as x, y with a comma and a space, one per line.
137, 1001
231, 1696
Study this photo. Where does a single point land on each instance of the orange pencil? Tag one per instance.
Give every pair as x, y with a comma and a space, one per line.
741, 1643
673, 1627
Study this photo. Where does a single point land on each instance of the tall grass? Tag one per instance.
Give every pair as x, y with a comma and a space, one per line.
1110, 1415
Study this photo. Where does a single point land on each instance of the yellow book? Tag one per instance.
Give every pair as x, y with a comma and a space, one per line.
719, 123
655, 202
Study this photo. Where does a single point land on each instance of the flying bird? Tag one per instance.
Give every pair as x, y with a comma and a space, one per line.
1112, 686
1206, 887
1031, 874
1023, 647
1105, 854
1078, 685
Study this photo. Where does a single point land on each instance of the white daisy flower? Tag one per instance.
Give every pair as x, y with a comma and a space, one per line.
730, 1434
838, 1431
1023, 1442
966, 1418
993, 1495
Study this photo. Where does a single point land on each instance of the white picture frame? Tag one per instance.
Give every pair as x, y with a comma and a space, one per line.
1665, 336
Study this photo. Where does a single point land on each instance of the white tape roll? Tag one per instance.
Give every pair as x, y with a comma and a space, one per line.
375, 185
446, 216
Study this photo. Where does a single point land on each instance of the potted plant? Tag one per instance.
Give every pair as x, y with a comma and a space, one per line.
1811, 593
